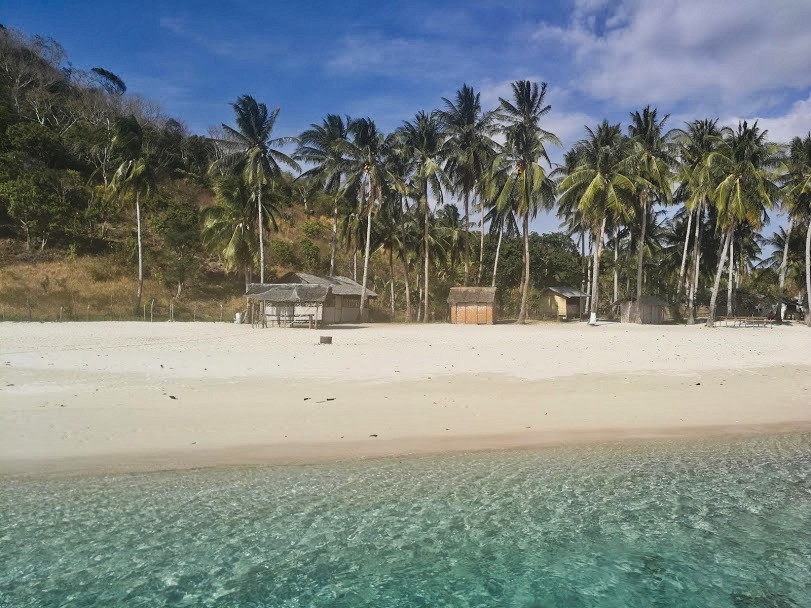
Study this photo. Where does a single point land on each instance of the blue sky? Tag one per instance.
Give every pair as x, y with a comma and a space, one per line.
691, 58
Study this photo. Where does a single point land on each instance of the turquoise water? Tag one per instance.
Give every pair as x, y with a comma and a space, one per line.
699, 523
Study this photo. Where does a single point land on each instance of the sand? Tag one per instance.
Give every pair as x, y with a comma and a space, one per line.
78, 397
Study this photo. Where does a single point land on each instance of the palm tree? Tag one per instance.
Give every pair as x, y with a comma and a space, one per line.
745, 162
469, 151
450, 231
322, 145
797, 199
520, 162
502, 220
423, 139
136, 175
649, 163
228, 226
365, 171
696, 144
597, 187
249, 148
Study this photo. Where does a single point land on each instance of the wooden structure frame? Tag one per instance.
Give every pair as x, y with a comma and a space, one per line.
472, 305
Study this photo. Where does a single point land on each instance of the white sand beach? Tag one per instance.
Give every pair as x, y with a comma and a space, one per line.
134, 396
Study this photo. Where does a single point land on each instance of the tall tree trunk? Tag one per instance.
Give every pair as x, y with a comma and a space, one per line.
333, 245
588, 273
783, 268
366, 250
522, 315
684, 259
498, 251
140, 254
691, 300
405, 270
595, 287
616, 263
391, 277
730, 269
643, 199
247, 277
467, 236
481, 240
419, 298
722, 255
261, 229
808, 274
355, 265
584, 272
426, 255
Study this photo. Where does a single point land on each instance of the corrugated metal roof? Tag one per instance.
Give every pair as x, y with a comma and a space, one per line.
568, 292
472, 295
341, 286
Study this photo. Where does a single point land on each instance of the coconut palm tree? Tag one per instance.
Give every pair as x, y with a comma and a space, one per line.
649, 162
745, 163
520, 162
468, 150
322, 145
502, 220
797, 199
423, 139
249, 148
135, 176
365, 171
597, 187
229, 226
696, 143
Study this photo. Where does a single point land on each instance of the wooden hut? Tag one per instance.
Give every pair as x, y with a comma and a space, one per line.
472, 305
563, 303
286, 305
654, 310
332, 299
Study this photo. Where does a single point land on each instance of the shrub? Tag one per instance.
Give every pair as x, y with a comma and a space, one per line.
310, 254
282, 252
312, 229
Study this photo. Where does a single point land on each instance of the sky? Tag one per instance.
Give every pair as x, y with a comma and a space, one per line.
727, 59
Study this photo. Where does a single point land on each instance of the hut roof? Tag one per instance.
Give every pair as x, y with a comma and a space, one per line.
289, 293
341, 286
472, 295
646, 300
568, 292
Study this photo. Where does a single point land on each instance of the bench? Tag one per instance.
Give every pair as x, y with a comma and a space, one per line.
746, 321
290, 320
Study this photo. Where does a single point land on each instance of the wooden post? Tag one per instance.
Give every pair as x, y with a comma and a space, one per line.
220, 313
88, 312
144, 311
60, 314
194, 313
151, 306
28, 303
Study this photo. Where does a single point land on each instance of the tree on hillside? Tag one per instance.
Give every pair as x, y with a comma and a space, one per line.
598, 188
520, 160
468, 151
250, 149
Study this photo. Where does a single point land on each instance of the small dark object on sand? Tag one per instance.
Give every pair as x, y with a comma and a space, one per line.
326, 340
330, 398
372, 435
172, 397
307, 398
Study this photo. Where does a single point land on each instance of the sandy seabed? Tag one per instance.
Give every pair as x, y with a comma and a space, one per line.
80, 397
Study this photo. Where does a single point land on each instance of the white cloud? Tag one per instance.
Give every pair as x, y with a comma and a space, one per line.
725, 52
794, 123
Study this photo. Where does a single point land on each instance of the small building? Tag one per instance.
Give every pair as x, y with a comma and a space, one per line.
653, 309
297, 296
472, 305
563, 303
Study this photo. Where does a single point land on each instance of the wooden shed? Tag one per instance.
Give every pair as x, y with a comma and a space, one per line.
563, 302
654, 310
472, 305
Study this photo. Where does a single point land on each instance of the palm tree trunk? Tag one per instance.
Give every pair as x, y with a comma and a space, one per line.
643, 199
467, 236
588, 271
391, 277
684, 259
522, 314
808, 274
140, 254
595, 287
584, 272
355, 265
616, 258
260, 228
481, 241
783, 268
366, 251
722, 255
333, 246
498, 251
247, 277
730, 269
427, 256
691, 300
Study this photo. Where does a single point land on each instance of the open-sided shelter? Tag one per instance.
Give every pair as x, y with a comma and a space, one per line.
563, 302
472, 305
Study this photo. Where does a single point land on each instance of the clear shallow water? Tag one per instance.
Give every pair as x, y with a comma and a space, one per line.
700, 523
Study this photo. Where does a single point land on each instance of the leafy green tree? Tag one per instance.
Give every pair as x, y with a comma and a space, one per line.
32, 203
250, 149
179, 225
797, 199
520, 160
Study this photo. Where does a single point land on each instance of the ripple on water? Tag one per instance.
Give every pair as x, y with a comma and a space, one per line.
720, 522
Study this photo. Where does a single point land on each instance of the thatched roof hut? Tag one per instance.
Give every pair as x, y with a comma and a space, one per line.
472, 305
340, 286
